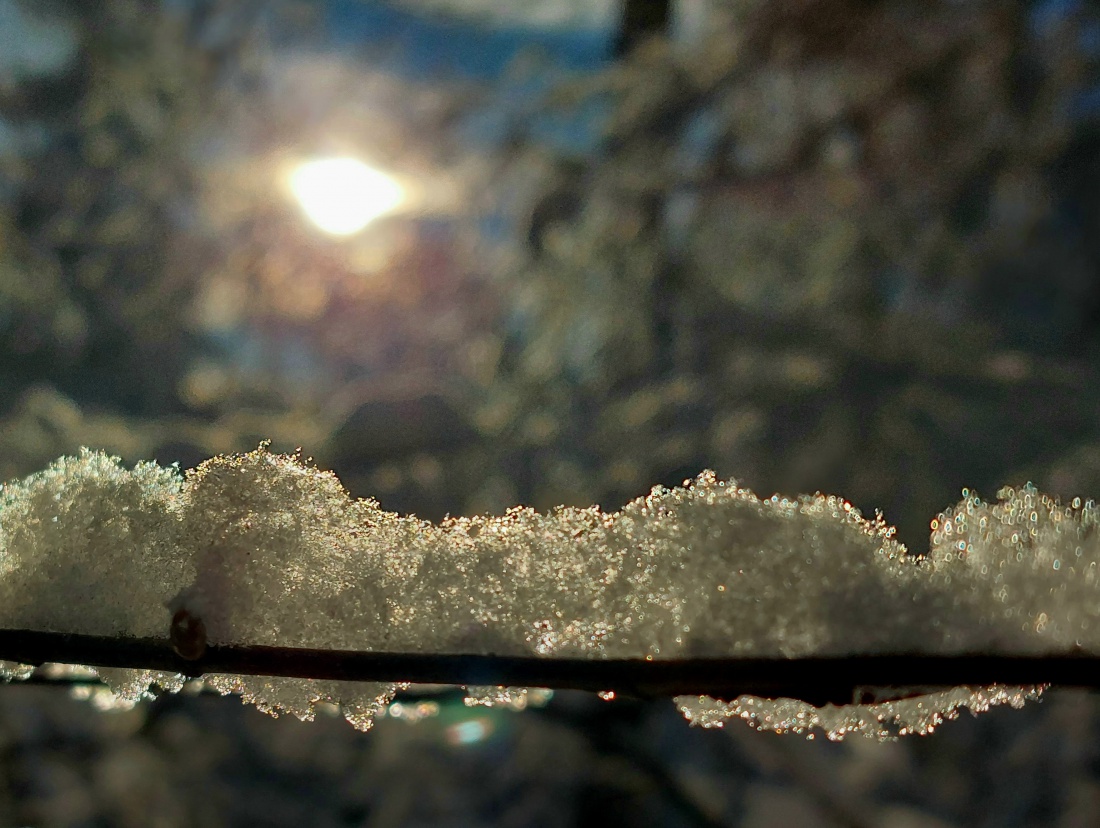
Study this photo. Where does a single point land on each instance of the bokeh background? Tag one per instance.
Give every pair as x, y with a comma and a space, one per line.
839, 245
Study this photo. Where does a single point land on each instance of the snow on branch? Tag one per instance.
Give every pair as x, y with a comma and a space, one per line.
261, 573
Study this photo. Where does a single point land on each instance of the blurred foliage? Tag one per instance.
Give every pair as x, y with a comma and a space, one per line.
819, 245
189, 761
833, 245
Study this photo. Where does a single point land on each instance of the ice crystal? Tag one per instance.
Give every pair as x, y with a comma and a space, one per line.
264, 549
880, 720
14, 670
513, 698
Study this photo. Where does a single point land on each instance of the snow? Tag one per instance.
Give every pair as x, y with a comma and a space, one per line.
883, 720
264, 549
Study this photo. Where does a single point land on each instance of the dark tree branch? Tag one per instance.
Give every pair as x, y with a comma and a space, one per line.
821, 680
641, 19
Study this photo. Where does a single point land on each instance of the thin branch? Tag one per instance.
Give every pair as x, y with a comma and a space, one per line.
819, 680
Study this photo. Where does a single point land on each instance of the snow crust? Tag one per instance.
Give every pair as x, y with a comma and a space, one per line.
265, 549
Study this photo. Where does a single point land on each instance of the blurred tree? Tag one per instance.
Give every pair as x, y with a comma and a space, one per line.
813, 244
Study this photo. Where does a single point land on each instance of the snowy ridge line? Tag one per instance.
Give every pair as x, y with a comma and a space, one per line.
818, 681
262, 550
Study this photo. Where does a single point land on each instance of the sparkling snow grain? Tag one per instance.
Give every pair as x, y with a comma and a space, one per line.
267, 550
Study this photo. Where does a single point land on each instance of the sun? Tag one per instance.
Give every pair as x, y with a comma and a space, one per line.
343, 195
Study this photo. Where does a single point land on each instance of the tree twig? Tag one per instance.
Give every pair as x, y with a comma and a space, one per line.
818, 680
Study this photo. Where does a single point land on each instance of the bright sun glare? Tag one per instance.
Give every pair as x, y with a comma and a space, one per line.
343, 195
